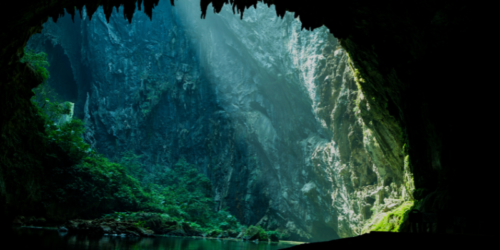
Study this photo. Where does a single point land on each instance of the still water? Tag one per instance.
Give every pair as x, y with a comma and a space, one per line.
30, 238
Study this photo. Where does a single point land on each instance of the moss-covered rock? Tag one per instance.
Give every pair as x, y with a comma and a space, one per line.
392, 219
100, 227
273, 236
255, 233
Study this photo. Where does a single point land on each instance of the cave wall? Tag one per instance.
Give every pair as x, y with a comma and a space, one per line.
269, 112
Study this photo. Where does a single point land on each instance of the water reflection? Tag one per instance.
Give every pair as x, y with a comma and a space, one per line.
51, 239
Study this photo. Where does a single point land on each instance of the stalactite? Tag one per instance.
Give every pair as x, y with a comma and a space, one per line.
71, 11
204, 5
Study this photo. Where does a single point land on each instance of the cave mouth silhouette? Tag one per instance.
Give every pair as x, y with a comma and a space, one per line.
457, 167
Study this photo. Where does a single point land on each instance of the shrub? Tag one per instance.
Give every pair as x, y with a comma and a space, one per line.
274, 233
38, 61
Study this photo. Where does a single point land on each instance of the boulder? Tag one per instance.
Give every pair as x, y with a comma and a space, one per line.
73, 225
144, 231
107, 229
273, 238
223, 235
252, 233
233, 234
166, 230
190, 231
213, 233
240, 235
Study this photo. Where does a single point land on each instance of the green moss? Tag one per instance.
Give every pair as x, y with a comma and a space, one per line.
393, 220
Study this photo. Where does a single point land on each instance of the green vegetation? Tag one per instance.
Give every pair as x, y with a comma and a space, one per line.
257, 231
263, 234
90, 181
275, 234
181, 194
78, 182
39, 63
393, 220
132, 164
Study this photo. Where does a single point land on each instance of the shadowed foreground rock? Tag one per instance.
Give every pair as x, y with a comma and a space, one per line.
410, 67
386, 240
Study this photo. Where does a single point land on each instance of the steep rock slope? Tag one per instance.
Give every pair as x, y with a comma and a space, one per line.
270, 113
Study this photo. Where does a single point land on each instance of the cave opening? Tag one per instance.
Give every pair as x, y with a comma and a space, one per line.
241, 101
62, 78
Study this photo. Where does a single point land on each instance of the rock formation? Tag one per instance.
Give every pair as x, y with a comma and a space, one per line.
269, 112
421, 65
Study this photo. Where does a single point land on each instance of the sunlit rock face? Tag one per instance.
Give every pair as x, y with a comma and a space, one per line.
270, 113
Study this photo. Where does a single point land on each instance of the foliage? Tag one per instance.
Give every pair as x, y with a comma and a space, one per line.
91, 182
38, 61
132, 164
263, 235
275, 233
141, 224
178, 194
68, 137
80, 182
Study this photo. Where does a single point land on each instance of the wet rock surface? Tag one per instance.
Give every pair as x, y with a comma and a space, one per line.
101, 227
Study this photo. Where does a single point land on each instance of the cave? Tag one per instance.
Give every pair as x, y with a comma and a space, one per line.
411, 88
67, 85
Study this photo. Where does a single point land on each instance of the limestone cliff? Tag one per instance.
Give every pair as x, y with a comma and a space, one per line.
272, 114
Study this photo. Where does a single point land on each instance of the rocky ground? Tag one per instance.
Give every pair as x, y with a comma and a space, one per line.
113, 227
